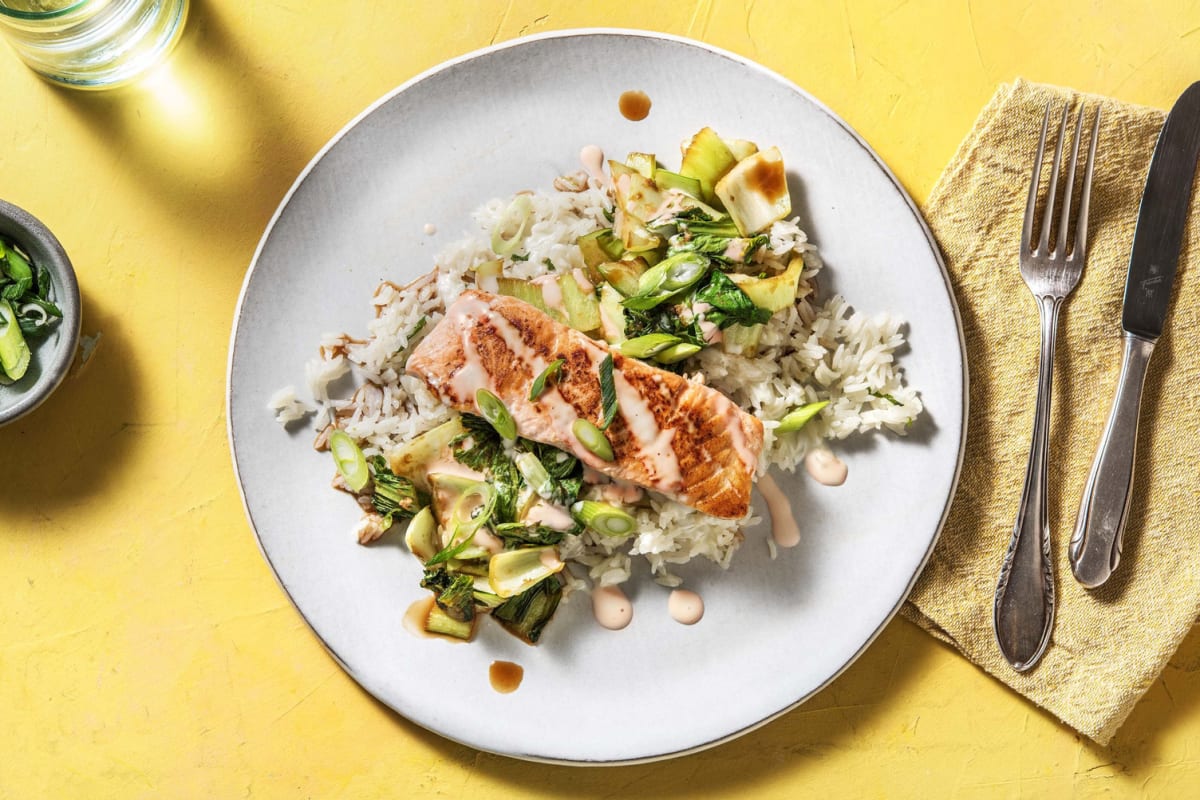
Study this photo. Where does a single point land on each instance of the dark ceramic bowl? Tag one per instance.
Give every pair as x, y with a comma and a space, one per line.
53, 353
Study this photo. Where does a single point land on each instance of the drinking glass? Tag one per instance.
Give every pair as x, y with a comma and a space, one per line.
92, 44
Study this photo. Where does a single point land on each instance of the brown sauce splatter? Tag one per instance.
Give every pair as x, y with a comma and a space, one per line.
634, 105
505, 676
768, 178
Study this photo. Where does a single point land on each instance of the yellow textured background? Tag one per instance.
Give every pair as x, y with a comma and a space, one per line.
145, 649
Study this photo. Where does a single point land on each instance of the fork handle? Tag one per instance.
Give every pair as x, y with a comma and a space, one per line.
1095, 547
1023, 613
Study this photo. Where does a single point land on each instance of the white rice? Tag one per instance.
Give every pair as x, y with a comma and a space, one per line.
812, 351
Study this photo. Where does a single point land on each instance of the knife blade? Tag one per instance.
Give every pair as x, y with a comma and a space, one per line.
1095, 549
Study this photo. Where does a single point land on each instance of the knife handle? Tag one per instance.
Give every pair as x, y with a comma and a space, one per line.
1095, 548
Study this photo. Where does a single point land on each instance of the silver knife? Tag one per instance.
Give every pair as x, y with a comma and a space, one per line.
1095, 548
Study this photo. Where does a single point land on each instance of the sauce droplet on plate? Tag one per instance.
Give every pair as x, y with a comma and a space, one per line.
430, 229
505, 676
634, 105
611, 607
784, 529
685, 606
825, 467
592, 158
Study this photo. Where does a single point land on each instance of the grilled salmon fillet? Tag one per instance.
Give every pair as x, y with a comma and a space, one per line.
680, 438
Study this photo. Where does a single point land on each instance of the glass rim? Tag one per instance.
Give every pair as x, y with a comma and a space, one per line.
37, 15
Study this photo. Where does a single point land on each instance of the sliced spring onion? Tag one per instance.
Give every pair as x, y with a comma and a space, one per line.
14, 351
513, 226
795, 419
649, 345
511, 572
677, 352
545, 376
492, 409
603, 518
421, 536
671, 275
593, 439
30, 310
535, 474
608, 392
14, 264
350, 461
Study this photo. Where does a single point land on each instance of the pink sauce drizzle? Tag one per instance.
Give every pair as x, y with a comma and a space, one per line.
611, 607
825, 467
784, 529
686, 607
592, 158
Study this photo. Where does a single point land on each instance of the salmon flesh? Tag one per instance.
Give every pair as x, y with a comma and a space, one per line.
677, 437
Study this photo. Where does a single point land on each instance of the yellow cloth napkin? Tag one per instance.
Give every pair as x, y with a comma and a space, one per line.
1108, 645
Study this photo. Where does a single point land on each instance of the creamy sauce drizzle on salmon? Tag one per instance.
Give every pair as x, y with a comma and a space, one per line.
671, 435
655, 443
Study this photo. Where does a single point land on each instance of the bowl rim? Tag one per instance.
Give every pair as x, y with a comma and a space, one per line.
45, 250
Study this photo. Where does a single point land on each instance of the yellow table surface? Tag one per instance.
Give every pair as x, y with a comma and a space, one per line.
145, 648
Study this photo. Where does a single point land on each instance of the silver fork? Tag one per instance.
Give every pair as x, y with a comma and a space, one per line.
1023, 614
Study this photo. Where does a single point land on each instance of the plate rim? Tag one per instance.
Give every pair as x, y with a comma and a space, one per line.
569, 33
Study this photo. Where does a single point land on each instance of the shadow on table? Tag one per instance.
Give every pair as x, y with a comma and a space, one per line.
201, 131
1168, 704
825, 723
80, 440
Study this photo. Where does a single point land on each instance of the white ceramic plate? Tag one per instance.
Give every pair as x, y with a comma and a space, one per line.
775, 632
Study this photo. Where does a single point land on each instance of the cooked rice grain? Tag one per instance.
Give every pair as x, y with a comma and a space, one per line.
810, 352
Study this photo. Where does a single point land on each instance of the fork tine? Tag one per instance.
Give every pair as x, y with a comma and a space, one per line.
1079, 250
1064, 220
1031, 203
1052, 195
